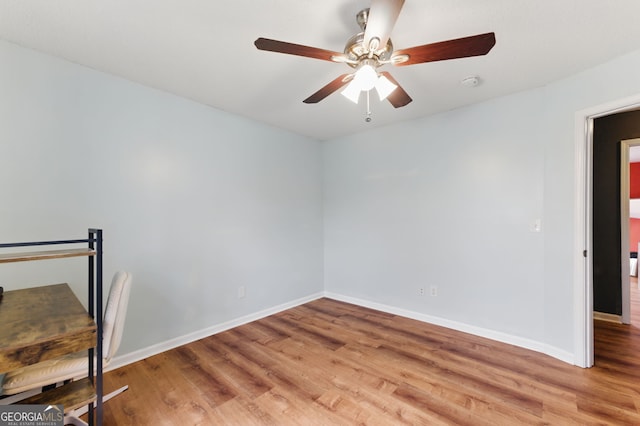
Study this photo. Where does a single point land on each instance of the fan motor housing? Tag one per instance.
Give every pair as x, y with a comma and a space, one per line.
355, 48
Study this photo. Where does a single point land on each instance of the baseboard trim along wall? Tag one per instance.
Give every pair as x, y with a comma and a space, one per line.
125, 359
122, 360
533, 345
602, 316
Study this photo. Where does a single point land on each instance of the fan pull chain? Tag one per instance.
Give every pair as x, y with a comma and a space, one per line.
368, 117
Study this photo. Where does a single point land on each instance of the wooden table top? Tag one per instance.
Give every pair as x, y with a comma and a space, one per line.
41, 323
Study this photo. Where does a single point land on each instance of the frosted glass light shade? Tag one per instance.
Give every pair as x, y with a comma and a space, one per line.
384, 87
366, 77
352, 92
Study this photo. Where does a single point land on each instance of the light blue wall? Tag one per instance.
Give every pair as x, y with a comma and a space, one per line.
449, 201
193, 201
445, 201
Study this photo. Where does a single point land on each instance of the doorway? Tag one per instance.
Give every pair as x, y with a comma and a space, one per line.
583, 230
631, 178
629, 197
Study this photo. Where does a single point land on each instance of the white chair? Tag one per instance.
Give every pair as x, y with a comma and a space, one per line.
76, 366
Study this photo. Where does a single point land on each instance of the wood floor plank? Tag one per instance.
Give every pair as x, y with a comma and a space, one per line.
444, 387
332, 363
240, 411
277, 370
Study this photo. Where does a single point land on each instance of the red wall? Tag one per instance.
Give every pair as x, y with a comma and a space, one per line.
634, 180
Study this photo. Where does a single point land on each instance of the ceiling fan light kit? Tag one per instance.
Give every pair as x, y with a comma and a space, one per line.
368, 81
372, 48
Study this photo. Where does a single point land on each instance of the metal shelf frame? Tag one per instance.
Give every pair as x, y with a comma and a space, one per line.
94, 244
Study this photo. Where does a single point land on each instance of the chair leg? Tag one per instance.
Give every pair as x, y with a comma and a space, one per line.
12, 399
72, 417
74, 421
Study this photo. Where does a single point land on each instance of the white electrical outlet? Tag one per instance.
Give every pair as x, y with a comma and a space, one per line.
434, 290
242, 292
421, 291
536, 226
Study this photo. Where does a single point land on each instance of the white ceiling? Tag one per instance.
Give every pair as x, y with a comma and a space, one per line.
203, 50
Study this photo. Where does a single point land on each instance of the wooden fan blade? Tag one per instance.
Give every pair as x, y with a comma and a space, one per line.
398, 98
465, 47
383, 15
296, 49
328, 89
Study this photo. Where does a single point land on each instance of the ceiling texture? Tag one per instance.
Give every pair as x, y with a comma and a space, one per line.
203, 50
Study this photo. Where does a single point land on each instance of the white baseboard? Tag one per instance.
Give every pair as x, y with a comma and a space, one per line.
602, 316
140, 354
498, 336
131, 357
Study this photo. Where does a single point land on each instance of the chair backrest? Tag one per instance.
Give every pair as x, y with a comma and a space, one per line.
115, 314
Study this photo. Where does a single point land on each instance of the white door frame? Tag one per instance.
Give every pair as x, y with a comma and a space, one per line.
583, 239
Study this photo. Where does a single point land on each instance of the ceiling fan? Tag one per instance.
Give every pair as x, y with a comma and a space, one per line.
372, 48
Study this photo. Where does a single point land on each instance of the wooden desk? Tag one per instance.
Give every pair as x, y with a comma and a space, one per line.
41, 323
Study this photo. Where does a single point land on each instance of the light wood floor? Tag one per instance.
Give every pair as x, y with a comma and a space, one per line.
331, 363
635, 302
